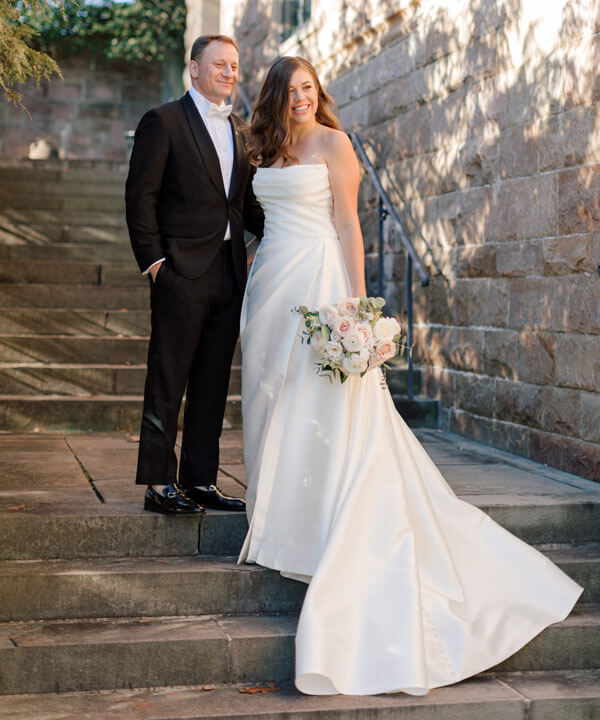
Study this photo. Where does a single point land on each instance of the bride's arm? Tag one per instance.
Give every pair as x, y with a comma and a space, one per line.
344, 176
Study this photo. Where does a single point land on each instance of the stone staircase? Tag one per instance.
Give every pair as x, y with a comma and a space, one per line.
107, 611
74, 314
110, 612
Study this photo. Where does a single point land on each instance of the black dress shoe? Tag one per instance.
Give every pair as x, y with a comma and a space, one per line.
172, 501
213, 497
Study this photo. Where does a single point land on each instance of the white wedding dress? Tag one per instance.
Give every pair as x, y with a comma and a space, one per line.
410, 587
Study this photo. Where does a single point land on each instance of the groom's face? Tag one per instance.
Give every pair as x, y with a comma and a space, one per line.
215, 72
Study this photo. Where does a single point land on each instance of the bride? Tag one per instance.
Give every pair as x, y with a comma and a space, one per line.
410, 588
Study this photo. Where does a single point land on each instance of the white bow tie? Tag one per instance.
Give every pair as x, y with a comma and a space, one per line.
220, 111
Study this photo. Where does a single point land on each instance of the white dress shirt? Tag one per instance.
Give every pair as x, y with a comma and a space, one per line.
219, 129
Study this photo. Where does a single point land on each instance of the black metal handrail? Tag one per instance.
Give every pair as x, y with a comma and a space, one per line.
385, 210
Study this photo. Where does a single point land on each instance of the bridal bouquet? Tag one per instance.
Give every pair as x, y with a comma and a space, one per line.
351, 336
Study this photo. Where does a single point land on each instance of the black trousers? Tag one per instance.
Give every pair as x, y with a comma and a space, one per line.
195, 325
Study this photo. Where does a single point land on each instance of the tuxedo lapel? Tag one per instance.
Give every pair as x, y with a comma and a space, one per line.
238, 153
204, 143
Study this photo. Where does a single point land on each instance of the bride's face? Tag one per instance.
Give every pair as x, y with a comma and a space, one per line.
304, 98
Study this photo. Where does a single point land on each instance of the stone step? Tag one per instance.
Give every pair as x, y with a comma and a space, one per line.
69, 252
59, 176
131, 587
419, 412
552, 695
61, 188
64, 201
64, 656
101, 413
83, 380
77, 297
41, 233
43, 530
78, 349
397, 380
40, 322
71, 218
73, 349
72, 273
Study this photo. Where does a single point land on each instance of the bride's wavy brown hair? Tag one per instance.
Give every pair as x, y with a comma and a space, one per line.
269, 131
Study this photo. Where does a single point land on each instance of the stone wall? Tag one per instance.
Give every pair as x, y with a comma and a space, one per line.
83, 115
484, 124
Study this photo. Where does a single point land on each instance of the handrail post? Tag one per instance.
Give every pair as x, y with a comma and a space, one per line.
409, 323
381, 216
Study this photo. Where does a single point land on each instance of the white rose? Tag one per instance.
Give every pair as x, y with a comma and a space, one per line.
383, 351
352, 342
365, 331
333, 351
354, 364
348, 306
342, 326
328, 314
386, 329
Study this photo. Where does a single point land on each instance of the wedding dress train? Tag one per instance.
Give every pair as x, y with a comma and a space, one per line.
410, 588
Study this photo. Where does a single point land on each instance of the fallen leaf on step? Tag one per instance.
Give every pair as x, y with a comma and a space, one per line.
208, 687
262, 689
142, 705
133, 438
16, 507
144, 621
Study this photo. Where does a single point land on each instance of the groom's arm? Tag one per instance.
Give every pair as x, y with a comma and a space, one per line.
146, 170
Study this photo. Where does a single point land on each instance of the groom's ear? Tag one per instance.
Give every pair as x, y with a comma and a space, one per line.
194, 69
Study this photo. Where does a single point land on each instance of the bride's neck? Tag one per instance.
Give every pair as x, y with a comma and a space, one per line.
301, 132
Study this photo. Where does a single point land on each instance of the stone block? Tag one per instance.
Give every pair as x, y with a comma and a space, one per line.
481, 302
500, 352
571, 140
472, 426
584, 304
511, 437
473, 208
475, 394
427, 345
355, 116
520, 403
438, 383
579, 200
518, 151
521, 258
449, 120
562, 411
103, 87
577, 361
523, 208
475, 261
439, 299
568, 454
64, 89
103, 110
462, 348
536, 357
413, 133
582, 82
389, 100
479, 161
590, 416
538, 303
568, 255
487, 108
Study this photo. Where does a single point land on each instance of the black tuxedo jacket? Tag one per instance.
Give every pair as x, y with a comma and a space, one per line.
176, 204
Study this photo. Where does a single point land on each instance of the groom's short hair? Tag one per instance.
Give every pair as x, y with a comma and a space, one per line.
204, 40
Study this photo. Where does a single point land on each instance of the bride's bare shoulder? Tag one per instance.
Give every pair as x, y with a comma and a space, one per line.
336, 146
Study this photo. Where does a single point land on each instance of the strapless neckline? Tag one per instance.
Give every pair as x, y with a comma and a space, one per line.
287, 167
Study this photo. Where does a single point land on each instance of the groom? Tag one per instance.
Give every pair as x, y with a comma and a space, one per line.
188, 198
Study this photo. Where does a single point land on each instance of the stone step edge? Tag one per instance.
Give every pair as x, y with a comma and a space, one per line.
201, 563
39, 365
264, 625
80, 399
498, 695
